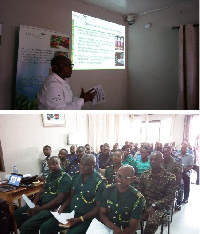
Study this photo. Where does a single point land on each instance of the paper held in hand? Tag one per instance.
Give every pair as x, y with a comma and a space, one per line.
62, 218
98, 228
100, 97
28, 201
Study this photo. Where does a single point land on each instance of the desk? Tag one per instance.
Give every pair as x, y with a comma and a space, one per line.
16, 194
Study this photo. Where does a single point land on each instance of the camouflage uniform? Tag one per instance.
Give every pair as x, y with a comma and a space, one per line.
177, 169
158, 190
45, 167
173, 167
122, 206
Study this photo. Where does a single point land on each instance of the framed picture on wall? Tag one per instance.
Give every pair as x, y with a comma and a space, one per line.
53, 120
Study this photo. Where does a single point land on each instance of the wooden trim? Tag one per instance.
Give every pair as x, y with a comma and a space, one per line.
2, 167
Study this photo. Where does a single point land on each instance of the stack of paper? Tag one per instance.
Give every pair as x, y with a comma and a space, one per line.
98, 228
62, 218
28, 201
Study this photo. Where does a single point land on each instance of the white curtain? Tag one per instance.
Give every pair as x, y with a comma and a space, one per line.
103, 128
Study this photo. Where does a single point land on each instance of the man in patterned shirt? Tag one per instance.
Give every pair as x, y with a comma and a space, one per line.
158, 188
45, 167
170, 165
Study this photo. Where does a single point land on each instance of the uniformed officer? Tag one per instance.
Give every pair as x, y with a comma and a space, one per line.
110, 171
122, 205
54, 192
73, 167
170, 165
63, 159
55, 92
105, 157
158, 188
87, 189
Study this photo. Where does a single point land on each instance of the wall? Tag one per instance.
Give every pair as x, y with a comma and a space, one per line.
56, 16
153, 57
23, 137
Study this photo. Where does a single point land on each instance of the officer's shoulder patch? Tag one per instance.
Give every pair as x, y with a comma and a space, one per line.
109, 186
99, 175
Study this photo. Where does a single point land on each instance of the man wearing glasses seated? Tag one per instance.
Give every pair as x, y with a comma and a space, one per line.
122, 205
55, 92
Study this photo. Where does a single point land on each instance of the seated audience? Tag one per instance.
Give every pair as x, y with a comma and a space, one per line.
45, 169
87, 189
54, 192
142, 165
115, 148
127, 157
110, 171
158, 147
131, 146
89, 150
158, 188
105, 158
118, 212
187, 163
72, 154
73, 167
63, 159
170, 165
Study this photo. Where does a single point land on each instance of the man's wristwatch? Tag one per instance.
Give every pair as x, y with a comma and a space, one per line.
153, 205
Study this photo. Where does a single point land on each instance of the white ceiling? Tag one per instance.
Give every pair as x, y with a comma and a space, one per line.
136, 7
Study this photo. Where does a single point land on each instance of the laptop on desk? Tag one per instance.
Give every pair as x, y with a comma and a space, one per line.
13, 183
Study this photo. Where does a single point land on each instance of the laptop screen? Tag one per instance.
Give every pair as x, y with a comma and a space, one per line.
15, 179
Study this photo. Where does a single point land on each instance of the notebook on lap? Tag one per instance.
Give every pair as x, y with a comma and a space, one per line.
13, 183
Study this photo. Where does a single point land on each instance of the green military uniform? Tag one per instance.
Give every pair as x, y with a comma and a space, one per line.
84, 200
110, 174
129, 161
158, 190
122, 206
64, 164
55, 184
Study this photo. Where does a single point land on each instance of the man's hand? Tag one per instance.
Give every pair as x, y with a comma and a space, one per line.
34, 210
88, 96
117, 231
61, 209
74, 221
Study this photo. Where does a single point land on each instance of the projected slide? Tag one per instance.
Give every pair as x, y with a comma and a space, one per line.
96, 43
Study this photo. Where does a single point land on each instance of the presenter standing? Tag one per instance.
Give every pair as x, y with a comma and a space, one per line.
55, 92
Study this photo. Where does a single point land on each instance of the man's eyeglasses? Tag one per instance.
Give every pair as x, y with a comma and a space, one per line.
122, 177
116, 156
66, 65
